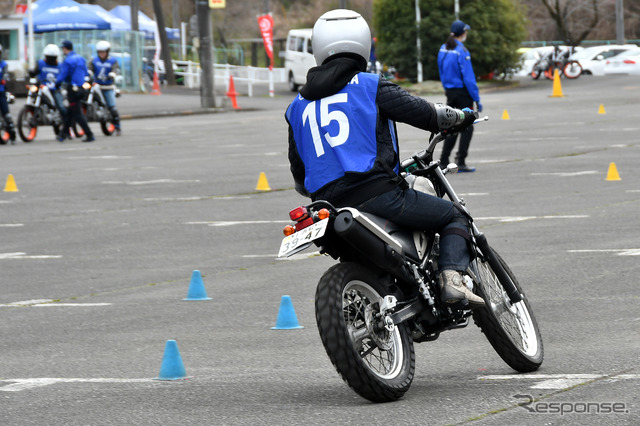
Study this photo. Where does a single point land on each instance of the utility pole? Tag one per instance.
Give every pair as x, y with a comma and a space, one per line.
619, 21
164, 43
134, 5
205, 52
456, 9
418, 42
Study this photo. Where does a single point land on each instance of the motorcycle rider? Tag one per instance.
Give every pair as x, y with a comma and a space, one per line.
47, 71
4, 102
105, 69
343, 146
73, 72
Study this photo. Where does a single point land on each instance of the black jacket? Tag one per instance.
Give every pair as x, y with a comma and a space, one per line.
393, 102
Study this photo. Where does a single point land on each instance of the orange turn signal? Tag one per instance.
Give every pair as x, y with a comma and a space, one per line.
289, 230
323, 214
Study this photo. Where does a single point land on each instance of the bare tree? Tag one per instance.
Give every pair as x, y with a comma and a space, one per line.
574, 19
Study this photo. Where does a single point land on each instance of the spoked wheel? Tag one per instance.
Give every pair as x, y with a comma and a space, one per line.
375, 358
27, 124
535, 73
511, 329
572, 69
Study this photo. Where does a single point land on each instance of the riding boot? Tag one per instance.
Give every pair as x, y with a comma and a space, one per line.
454, 289
116, 119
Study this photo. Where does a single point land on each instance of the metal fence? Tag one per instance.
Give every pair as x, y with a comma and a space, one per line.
251, 76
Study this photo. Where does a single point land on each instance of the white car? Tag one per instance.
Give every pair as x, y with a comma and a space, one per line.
625, 63
593, 59
298, 57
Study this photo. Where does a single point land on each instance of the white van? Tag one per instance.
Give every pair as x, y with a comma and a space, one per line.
298, 57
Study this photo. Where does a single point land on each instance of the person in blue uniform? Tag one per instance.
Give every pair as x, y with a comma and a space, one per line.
73, 72
105, 69
343, 146
4, 102
459, 82
47, 71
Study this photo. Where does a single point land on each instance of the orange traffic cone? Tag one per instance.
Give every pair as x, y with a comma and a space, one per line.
232, 93
156, 85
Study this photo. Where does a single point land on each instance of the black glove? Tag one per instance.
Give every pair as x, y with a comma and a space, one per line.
469, 117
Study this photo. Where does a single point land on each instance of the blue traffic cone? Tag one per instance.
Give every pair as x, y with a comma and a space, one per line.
172, 367
196, 288
287, 319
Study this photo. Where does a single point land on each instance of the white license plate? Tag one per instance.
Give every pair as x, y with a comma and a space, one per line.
302, 239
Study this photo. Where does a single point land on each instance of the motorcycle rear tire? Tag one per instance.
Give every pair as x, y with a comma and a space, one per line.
357, 349
572, 69
27, 125
511, 329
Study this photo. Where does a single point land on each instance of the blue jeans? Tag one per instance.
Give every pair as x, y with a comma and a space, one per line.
109, 97
421, 211
59, 100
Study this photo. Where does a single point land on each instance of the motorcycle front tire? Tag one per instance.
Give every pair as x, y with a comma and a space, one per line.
511, 329
27, 124
376, 363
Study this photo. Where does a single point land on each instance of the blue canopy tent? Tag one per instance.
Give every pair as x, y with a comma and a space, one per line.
117, 24
145, 24
61, 15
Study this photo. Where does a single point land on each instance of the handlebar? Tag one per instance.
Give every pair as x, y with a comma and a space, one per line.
422, 159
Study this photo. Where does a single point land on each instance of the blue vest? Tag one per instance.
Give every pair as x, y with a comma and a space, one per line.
337, 134
48, 74
101, 70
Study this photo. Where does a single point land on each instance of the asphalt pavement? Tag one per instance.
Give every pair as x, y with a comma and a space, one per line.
100, 240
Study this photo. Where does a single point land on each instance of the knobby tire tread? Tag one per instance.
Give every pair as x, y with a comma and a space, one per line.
338, 344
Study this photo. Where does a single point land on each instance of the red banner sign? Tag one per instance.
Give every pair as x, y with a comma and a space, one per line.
266, 28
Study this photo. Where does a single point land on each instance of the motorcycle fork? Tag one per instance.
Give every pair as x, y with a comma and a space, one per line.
481, 241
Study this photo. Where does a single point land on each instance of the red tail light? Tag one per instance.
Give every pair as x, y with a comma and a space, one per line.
298, 214
629, 61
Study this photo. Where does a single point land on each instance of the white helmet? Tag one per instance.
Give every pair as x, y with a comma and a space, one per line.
103, 46
51, 50
341, 31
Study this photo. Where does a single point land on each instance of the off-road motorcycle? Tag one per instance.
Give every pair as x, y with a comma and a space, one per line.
95, 106
39, 110
383, 296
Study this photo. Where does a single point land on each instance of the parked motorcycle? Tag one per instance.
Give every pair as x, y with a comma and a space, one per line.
383, 296
95, 107
39, 110
5, 133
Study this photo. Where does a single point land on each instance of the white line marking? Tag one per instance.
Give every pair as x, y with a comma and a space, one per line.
523, 218
620, 252
18, 385
11, 225
298, 256
28, 302
21, 255
238, 222
149, 182
559, 381
567, 174
206, 197
102, 157
39, 305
